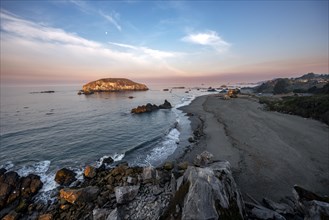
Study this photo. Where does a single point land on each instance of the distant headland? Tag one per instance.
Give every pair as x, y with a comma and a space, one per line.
112, 85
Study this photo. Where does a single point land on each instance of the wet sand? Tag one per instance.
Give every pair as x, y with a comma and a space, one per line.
269, 152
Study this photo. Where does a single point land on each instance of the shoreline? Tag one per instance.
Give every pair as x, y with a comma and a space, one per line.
213, 166
269, 152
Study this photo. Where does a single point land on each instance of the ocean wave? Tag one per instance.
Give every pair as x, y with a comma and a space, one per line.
8, 165
116, 157
163, 150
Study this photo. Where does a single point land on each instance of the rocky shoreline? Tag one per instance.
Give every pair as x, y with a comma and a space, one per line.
196, 186
204, 189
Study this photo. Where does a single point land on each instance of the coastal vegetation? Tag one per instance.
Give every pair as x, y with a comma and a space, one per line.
309, 96
316, 106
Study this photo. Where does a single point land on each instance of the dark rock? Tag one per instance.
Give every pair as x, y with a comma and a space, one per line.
311, 205
131, 97
189, 114
307, 195
107, 160
203, 159
191, 139
144, 108
2, 171
90, 172
30, 185
183, 165
165, 105
11, 216
5, 190
261, 212
280, 208
65, 177
83, 195
22, 206
46, 216
125, 194
168, 166
11, 178
149, 107
49, 91
9, 188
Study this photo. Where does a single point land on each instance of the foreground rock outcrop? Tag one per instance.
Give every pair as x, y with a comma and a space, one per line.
205, 190
16, 193
149, 107
112, 85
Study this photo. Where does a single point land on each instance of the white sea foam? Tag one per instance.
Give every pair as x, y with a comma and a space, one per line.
41, 169
185, 101
116, 157
166, 148
8, 165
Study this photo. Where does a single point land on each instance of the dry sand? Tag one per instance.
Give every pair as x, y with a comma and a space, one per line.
269, 152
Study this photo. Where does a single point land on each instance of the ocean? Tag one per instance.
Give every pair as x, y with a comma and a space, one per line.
43, 132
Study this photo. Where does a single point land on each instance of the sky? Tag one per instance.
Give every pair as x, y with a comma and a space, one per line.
161, 41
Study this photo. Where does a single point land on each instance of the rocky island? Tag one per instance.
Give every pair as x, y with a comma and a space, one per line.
112, 85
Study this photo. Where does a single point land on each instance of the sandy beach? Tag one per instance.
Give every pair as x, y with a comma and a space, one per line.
269, 152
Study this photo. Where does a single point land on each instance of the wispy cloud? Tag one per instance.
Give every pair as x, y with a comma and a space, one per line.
84, 7
112, 19
30, 44
208, 38
158, 54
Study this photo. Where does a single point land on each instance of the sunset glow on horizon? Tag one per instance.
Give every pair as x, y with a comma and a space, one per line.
80, 41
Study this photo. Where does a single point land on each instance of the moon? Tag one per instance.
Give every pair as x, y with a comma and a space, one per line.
106, 32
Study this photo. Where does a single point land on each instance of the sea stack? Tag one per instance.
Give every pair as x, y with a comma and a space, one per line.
112, 85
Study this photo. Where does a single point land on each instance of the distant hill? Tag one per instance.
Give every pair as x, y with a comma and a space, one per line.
308, 83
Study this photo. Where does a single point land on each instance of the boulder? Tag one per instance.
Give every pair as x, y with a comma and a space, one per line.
165, 105
260, 212
148, 173
312, 205
281, 208
65, 177
203, 159
144, 108
30, 185
114, 215
168, 166
47, 216
182, 165
209, 193
9, 188
100, 214
83, 195
11, 216
107, 160
125, 194
149, 107
2, 172
90, 172
11, 178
